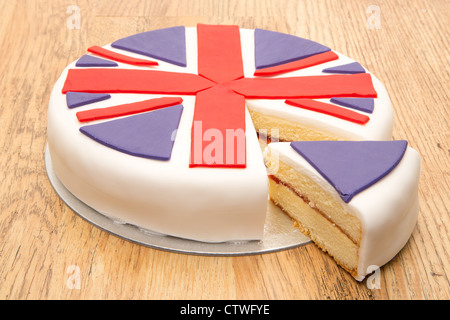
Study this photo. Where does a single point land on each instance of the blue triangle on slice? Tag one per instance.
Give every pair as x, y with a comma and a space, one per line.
167, 44
78, 99
275, 48
361, 104
149, 135
351, 166
91, 61
349, 68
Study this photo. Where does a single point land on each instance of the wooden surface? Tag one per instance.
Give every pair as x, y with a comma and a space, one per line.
49, 252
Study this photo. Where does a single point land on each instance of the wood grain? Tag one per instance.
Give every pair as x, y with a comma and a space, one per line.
44, 245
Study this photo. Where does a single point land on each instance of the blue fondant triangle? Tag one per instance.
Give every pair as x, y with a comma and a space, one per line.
351, 166
349, 68
167, 44
275, 48
148, 135
91, 61
361, 104
78, 99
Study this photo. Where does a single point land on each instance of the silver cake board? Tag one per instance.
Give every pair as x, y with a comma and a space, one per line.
279, 231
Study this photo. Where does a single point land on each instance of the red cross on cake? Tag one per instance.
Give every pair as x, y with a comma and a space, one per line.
163, 129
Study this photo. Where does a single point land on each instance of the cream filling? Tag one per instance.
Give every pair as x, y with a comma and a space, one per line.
317, 226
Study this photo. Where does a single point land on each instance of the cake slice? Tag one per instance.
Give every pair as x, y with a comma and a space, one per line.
356, 200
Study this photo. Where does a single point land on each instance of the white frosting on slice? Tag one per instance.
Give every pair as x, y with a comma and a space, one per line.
387, 210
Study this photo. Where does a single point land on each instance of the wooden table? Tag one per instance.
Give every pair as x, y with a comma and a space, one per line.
49, 252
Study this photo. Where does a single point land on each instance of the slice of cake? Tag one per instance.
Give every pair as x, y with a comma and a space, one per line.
357, 200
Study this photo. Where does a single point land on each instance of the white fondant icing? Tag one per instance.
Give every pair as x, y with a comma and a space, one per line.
387, 210
168, 197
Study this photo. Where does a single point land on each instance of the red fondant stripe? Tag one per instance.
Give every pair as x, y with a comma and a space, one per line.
297, 65
120, 57
104, 80
219, 52
127, 109
314, 87
218, 130
329, 109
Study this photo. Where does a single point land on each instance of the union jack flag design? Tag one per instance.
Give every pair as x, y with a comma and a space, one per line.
220, 87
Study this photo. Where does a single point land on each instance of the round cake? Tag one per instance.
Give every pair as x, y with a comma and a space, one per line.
163, 129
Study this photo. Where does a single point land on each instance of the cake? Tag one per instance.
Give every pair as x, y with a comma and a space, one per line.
357, 200
163, 129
